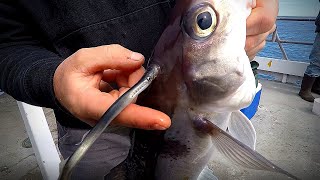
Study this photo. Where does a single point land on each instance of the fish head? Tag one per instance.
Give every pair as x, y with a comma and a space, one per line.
209, 40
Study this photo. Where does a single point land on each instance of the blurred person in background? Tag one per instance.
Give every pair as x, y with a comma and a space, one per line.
311, 78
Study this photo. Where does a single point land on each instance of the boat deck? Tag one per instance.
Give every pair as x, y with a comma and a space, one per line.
288, 134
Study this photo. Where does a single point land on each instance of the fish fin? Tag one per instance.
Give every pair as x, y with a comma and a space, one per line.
241, 128
207, 174
242, 154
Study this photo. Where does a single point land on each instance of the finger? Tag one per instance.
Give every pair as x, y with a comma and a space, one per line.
253, 3
110, 75
251, 54
121, 78
132, 116
273, 29
123, 90
124, 80
263, 17
136, 76
144, 118
253, 41
104, 86
92, 60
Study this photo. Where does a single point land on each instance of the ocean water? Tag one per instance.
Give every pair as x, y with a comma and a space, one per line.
294, 31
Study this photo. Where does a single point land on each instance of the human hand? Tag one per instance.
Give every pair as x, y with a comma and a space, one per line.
260, 24
81, 86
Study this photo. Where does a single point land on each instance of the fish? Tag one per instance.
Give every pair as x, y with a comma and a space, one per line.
205, 79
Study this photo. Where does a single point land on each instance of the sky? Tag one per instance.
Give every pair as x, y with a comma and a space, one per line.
308, 8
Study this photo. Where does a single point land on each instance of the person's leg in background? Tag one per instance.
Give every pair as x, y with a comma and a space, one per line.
312, 72
316, 86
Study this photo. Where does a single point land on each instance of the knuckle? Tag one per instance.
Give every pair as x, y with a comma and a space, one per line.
250, 54
267, 23
110, 51
133, 123
262, 45
107, 50
113, 47
117, 46
115, 51
79, 55
250, 44
81, 52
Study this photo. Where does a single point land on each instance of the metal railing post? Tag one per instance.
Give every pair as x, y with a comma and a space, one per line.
276, 38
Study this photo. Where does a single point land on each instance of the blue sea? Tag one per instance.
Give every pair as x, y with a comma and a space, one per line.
293, 31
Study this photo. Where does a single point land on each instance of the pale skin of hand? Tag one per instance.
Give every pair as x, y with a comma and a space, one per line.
260, 24
81, 81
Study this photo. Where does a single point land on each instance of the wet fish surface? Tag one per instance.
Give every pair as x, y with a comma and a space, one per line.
205, 80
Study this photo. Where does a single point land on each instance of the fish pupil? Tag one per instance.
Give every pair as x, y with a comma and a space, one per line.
204, 20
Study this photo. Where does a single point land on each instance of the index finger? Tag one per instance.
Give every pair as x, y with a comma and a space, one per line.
114, 56
263, 17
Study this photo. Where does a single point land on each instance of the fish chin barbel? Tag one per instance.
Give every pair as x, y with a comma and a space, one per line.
151, 73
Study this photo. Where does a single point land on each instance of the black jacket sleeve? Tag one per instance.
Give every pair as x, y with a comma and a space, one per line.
26, 65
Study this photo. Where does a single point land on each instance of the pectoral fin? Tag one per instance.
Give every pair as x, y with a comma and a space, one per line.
207, 174
241, 128
240, 153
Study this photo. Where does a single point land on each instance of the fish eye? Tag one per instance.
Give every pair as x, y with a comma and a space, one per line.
204, 20
200, 21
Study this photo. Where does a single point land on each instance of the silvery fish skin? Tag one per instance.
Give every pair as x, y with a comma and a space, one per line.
211, 64
205, 74
205, 79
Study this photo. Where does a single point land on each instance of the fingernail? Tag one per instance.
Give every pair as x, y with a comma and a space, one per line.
159, 127
136, 56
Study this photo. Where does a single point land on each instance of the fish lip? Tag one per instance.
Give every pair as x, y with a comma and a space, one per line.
211, 83
210, 89
223, 105
215, 80
239, 69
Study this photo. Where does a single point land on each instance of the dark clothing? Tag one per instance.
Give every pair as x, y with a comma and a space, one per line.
37, 35
318, 23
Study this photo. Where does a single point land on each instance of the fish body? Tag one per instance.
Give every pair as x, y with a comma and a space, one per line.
205, 79
206, 74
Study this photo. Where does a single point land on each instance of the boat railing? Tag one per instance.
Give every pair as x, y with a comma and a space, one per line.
286, 67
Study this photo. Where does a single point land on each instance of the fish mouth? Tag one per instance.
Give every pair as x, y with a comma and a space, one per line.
213, 89
214, 79
210, 85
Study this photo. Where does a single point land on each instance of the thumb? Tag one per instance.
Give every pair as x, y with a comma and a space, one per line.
92, 60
